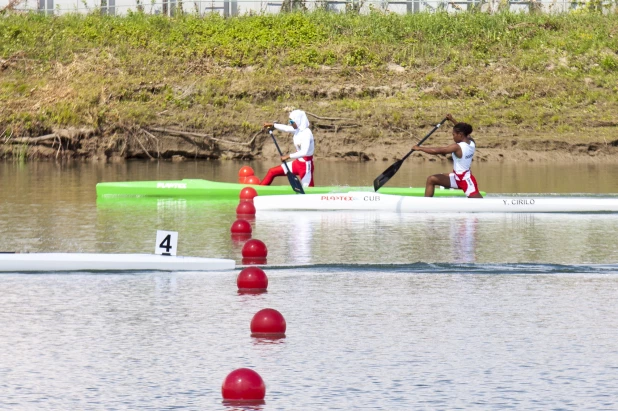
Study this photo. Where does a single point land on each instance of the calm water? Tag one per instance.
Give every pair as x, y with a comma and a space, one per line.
392, 312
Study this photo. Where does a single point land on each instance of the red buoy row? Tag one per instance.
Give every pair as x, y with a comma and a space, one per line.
253, 251
245, 385
245, 208
246, 176
241, 228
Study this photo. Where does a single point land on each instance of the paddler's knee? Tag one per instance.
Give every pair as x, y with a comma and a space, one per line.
433, 180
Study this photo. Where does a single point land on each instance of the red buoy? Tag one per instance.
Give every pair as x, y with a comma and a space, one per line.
243, 173
243, 385
268, 323
245, 208
241, 227
247, 194
254, 248
252, 279
252, 180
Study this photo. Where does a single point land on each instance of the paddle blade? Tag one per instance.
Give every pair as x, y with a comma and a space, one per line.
386, 175
295, 183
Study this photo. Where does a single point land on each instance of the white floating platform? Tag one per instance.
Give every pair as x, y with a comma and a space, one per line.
18, 262
370, 201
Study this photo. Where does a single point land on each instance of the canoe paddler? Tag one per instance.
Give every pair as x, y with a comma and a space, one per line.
302, 164
462, 150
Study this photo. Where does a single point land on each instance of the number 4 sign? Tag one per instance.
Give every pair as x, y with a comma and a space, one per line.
167, 242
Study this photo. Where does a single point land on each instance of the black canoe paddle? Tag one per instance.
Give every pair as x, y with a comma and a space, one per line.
292, 178
390, 172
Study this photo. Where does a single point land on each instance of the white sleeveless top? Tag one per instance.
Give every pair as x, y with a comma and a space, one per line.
461, 165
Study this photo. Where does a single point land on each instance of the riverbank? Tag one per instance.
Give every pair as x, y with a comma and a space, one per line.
535, 87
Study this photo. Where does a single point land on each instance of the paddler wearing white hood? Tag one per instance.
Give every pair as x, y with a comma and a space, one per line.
302, 165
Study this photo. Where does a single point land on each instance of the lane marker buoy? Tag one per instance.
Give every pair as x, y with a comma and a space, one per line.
268, 323
245, 208
243, 173
252, 280
243, 385
247, 194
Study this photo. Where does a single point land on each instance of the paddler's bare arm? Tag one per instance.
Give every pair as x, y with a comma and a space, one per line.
451, 148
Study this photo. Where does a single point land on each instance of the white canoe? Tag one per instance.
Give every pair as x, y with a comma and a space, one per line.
370, 201
24, 262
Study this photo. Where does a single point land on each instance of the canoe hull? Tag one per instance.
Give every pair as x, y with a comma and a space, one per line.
369, 201
211, 189
26, 262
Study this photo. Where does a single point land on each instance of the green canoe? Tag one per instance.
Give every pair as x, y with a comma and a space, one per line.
215, 190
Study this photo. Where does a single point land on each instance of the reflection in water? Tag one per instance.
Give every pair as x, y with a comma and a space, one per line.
244, 406
165, 284
298, 239
203, 226
463, 235
252, 298
268, 340
453, 237
370, 237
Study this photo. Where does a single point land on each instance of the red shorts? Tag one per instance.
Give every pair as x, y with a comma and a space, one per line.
464, 181
304, 170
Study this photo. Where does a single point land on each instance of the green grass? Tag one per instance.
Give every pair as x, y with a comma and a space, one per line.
318, 38
223, 75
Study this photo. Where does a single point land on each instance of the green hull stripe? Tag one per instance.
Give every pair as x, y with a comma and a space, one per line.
213, 189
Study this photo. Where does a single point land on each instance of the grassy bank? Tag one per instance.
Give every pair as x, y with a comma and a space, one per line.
535, 73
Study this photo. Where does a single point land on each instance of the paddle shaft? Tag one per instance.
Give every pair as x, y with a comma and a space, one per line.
279, 150
294, 182
425, 138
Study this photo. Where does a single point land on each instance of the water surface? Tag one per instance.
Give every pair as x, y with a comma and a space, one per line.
393, 338
384, 311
